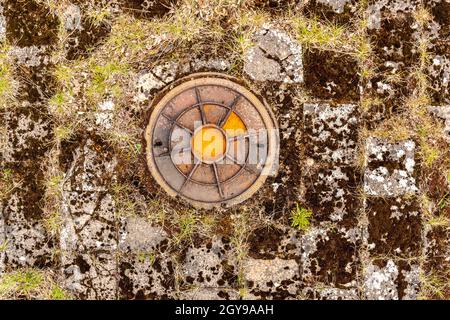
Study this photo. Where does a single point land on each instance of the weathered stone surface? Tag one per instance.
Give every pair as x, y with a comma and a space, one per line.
442, 112
3, 242
32, 56
331, 76
394, 227
379, 282
218, 64
272, 269
210, 265
210, 294
389, 280
91, 170
146, 276
272, 279
331, 132
30, 23
2, 24
148, 82
392, 7
104, 114
439, 73
275, 57
27, 134
330, 293
89, 232
27, 243
390, 168
437, 249
330, 257
146, 270
90, 275
72, 17
275, 242
409, 282
394, 53
138, 235
330, 194
88, 222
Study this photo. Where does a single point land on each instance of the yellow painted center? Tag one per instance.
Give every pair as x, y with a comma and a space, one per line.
209, 143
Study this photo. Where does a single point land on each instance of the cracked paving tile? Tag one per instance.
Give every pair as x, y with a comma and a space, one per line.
91, 276
275, 57
88, 222
92, 168
89, 233
150, 81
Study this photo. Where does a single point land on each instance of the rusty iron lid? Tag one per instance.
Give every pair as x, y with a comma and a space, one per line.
211, 141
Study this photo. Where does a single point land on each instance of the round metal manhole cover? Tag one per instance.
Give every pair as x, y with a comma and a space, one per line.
211, 141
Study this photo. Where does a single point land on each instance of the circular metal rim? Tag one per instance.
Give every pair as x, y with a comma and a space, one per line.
211, 78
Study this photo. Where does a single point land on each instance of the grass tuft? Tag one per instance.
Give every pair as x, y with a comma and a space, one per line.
300, 218
31, 284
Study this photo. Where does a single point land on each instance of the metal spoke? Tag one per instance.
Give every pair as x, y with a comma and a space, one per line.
243, 166
234, 160
172, 121
200, 106
229, 111
219, 186
190, 175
